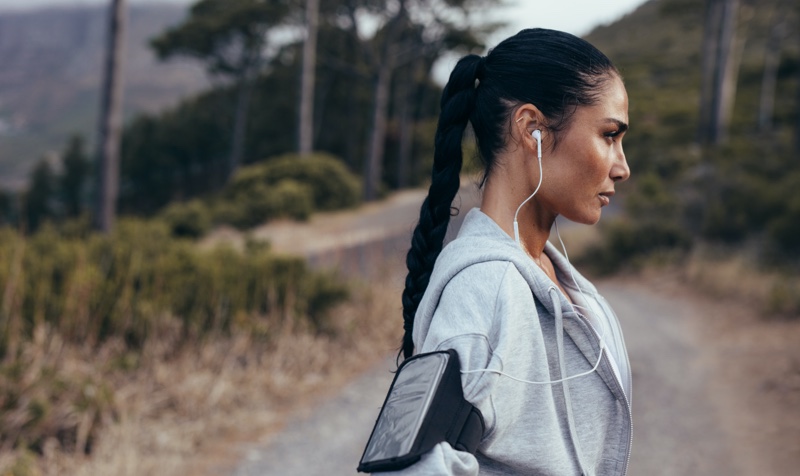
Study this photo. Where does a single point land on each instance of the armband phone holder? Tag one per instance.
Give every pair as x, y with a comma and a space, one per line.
425, 406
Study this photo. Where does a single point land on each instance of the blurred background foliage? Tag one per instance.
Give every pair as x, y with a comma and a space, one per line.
740, 191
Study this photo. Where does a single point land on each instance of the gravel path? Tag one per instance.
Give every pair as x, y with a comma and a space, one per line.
328, 440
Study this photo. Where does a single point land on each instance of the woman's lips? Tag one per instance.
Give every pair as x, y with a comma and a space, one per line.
605, 198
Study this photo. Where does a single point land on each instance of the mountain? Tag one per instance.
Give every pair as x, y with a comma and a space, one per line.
51, 74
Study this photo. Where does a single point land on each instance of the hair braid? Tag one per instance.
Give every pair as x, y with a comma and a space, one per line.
457, 104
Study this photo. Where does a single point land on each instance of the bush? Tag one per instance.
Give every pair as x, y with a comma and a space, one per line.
104, 298
628, 243
259, 203
333, 186
784, 230
128, 285
190, 219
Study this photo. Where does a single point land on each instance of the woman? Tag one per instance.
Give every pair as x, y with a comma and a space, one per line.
541, 352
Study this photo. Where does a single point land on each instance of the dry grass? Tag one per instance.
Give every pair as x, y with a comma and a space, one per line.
177, 405
734, 275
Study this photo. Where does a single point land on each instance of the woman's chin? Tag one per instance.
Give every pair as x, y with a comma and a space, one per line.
585, 218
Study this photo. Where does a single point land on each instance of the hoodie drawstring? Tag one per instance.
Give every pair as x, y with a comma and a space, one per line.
559, 321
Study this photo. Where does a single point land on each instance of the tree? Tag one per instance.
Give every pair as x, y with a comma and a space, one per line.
180, 153
39, 199
797, 87
721, 57
306, 126
408, 31
769, 78
6, 207
110, 120
72, 184
230, 36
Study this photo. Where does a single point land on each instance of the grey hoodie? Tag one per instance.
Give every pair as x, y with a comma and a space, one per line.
492, 304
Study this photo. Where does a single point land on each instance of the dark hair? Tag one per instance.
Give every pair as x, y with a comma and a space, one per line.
555, 71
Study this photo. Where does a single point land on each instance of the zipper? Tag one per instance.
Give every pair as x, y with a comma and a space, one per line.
618, 330
607, 366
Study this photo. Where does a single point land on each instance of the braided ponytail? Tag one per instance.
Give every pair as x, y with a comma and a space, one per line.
457, 104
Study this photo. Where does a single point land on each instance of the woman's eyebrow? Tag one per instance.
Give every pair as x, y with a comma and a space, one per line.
620, 125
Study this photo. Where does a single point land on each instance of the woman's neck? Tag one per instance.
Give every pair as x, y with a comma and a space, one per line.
502, 194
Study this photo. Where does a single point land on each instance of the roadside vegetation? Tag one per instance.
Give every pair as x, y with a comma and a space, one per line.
83, 313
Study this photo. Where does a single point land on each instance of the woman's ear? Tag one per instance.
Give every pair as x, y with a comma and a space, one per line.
528, 118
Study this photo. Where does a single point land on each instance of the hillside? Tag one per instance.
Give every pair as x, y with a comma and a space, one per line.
51, 74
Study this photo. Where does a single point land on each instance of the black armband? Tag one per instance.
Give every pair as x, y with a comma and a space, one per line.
425, 406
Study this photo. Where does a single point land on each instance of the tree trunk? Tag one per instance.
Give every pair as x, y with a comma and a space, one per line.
405, 120
110, 120
244, 88
769, 79
385, 65
710, 41
353, 141
797, 102
306, 126
375, 151
727, 72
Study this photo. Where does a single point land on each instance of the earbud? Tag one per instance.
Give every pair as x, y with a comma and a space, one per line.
537, 134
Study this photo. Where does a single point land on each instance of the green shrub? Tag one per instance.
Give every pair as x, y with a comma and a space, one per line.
627, 243
189, 219
739, 205
650, 198
139, 279
260, 203
784, 230
332, 185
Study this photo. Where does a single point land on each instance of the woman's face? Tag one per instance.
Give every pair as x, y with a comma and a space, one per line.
580, 174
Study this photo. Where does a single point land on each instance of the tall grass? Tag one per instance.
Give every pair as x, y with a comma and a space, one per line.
80, 311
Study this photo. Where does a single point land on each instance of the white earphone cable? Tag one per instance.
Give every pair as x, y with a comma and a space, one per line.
539, 158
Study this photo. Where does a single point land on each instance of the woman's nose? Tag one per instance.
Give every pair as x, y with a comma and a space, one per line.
620, 171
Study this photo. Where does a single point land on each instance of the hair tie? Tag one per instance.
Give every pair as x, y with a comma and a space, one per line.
479, 70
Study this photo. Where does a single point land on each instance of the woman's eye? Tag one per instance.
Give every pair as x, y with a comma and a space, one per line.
612, 135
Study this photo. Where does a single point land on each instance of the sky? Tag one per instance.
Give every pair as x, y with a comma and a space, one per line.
575, 16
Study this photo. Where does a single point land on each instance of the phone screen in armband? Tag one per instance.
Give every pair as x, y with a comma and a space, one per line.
405, 407
424, 406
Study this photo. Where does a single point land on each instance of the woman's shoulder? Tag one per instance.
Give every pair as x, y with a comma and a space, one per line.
473, 296
486, 279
